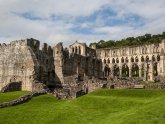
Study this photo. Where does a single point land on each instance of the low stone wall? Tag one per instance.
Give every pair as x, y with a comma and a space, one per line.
155, 86
21, 99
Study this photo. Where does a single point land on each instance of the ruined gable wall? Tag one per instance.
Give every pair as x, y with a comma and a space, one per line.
23, 61
17, 64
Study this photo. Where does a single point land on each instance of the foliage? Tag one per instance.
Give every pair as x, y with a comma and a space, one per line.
145, 39
103, 106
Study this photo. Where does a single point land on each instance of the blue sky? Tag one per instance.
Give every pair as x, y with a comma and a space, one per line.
54, 21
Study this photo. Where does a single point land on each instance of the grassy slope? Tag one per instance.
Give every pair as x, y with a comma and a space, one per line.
5, 97
99, 107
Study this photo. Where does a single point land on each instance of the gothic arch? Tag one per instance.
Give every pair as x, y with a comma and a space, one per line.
73, 50
76, 50
116, 71
155, 69
113, 60
136, 59
147, 58
135, 70
132, 59
158, 57
104, 61
142, 59
106, 71
79, 50
126, 60
108, 61
153, 58
122, 60
125, 71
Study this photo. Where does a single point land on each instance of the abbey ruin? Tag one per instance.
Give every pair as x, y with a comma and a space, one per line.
79, 68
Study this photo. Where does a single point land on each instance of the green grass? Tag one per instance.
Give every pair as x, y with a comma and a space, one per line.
5, 97
100, 107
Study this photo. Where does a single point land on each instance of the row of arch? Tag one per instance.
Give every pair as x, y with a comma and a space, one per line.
133, 59
76, 50
135, 70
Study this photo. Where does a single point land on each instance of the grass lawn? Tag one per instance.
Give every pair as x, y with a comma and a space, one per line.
100, 107
5, 97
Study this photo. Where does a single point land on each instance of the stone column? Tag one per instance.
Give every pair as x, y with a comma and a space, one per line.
120, 70
112, 72
151, 72
145, 72
140, 71
130, 72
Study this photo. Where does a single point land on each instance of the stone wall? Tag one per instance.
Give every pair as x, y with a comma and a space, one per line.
23, 61
21, 99
146, 61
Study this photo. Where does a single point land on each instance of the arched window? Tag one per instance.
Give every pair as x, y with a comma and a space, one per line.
158, 58
126, 60
79, 50
135, 70
116, 71
76, 50
153, 58
72, 50
147, 58
122, 60
142, 59
125, 71
132, 59
104, 61
108, 61
136, 59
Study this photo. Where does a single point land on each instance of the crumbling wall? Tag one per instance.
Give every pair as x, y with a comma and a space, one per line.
17, 64
23, 61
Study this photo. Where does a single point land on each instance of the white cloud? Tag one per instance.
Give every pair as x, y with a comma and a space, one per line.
14, 27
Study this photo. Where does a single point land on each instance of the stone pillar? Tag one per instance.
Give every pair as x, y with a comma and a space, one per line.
140, 71
112, 72
120, 69
151, 72
130, 72
146, 72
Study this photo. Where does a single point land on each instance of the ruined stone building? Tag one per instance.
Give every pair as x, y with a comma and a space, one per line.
146, 61
77, 67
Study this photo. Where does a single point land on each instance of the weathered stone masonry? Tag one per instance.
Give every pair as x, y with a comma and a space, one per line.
77, 68
23, 61
147, 61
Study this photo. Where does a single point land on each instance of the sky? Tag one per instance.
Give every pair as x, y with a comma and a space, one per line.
87, 21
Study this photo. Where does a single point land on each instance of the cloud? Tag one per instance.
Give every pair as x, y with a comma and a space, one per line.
88, 21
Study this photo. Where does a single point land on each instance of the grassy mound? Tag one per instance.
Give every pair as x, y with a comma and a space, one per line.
100, 107
6, 97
